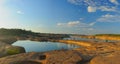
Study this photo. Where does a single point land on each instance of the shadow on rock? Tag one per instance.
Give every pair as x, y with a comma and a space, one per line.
27, 62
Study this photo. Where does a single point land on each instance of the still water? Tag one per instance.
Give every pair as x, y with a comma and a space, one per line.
34, 46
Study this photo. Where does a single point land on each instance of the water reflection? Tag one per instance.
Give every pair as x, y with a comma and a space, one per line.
43, 46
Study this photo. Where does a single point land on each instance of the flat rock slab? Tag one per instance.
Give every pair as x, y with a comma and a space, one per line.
63, 57
54, 57
21, 58
111, 59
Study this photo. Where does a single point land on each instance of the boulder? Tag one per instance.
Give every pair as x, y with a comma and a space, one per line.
7, 49
3, 47
23, 58
14, 50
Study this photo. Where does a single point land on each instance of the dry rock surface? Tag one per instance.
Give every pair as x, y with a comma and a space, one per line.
110, 59
96, 53
55, 57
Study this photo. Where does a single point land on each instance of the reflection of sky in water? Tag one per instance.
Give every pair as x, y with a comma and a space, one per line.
43, 46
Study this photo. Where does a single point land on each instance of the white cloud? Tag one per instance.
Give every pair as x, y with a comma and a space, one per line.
109, 18
91, 9
102, 8
92, 24
94, 5
76, 24
107, 8
60, 24
69, 24
93, 2
77, 27
83, 2
114, 2
20, 12
73, 23
72, 1
81, 19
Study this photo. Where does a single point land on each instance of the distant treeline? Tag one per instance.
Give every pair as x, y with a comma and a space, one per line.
25, 33
107, 35
14, 32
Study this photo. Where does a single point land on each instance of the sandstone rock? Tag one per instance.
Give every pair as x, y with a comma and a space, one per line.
42, 57
26, 62
7, 49
23, 58
3, 46
53, 57
8, 40
63, 57
110, 59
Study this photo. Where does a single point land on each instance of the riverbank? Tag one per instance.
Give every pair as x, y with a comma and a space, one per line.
86, 54
114, 37
80, 43
90, 52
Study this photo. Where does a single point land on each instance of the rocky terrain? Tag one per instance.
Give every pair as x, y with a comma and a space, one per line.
115, 37
95, 53
7, 49
106, 37
109, 59
90, 52
54, 57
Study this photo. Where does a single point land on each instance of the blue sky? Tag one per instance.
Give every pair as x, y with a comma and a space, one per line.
61, 16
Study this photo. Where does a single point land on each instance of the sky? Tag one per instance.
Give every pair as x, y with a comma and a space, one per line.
62, 16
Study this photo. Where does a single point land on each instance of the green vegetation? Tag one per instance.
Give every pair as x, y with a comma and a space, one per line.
9, 35
20, 32
13, 51
14, 32
12, 35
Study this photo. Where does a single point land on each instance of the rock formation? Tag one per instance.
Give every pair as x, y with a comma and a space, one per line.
6, 49
109, 59
54, 57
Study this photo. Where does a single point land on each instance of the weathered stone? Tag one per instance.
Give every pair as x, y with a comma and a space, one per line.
42, 57
110, 59
63, 57
6, 49
14, 50
54, 57
23, 58
26, 62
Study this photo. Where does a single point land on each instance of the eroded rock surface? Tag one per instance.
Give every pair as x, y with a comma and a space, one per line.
63, 57
109, 59
54, 57
83, 55
7, 49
